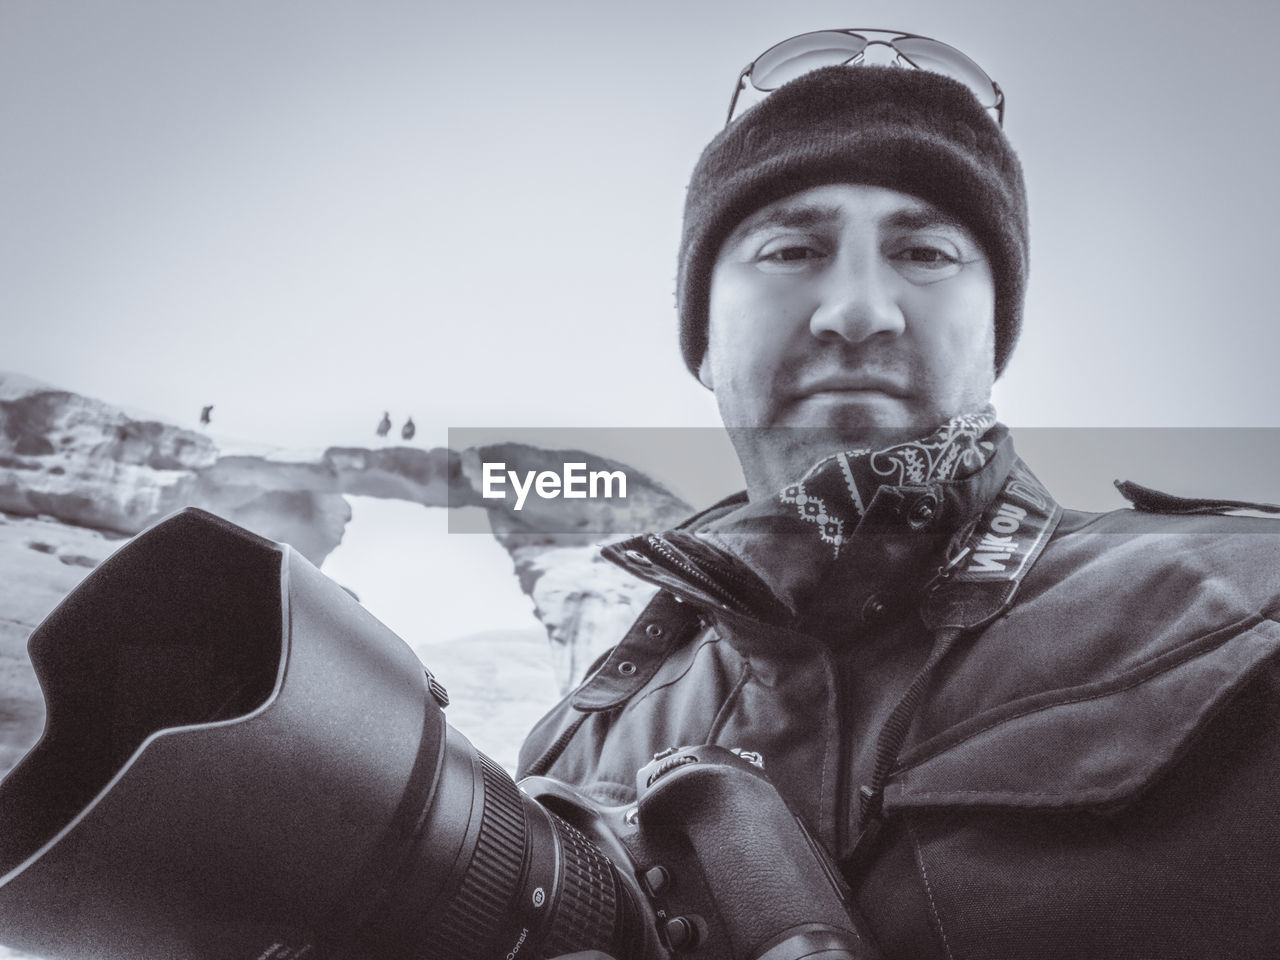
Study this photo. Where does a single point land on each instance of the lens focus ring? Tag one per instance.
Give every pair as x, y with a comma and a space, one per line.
483, 900
587, 914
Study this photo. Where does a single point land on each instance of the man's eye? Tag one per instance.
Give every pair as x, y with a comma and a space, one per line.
927, 255
790, 254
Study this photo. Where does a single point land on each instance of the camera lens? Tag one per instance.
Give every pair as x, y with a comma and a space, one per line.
240, 762
493, 874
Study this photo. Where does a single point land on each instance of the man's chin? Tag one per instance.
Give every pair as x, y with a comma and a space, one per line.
855, 418
788, 452
808, 433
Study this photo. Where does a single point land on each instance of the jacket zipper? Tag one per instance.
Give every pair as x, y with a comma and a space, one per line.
839, 671
672, 559
889, 740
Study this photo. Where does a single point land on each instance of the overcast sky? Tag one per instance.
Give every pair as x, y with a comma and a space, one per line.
306, 211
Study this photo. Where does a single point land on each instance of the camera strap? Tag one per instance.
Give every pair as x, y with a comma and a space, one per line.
981, 577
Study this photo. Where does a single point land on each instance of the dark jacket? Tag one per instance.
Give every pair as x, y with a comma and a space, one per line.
1094, 773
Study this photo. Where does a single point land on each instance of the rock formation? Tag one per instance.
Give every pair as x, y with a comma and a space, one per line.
85, 463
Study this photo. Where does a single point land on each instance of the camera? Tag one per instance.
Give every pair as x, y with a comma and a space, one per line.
239, 762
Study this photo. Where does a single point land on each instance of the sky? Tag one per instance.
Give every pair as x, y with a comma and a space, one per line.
306, 212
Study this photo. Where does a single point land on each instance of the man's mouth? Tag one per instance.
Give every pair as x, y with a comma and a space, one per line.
849, 386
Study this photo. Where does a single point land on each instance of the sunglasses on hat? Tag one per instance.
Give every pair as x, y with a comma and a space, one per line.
800, 54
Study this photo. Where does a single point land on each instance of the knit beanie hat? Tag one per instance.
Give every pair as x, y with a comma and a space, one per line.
910, 130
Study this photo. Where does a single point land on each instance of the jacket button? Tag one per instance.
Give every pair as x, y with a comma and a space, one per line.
922, 512
874, 610
626, 668
635, 556
654, 630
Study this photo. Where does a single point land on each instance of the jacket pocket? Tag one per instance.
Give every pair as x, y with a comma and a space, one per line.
1096, 745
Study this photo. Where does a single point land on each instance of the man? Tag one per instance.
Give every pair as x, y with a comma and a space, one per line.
1020, 731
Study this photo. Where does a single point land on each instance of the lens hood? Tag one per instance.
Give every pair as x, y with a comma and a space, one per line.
236, 755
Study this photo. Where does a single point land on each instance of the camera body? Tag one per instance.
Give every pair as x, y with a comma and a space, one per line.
720, 865
240, 763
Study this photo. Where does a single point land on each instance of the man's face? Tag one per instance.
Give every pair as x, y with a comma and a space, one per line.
859, 310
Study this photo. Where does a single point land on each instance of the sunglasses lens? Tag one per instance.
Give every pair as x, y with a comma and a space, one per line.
939, 58
792, 58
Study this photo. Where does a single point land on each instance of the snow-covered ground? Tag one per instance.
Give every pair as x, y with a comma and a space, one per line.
39, 562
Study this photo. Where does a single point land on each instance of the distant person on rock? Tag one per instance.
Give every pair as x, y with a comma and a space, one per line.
384, 425
205, 415
408, 430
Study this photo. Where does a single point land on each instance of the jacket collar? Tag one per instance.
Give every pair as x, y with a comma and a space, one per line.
740, 562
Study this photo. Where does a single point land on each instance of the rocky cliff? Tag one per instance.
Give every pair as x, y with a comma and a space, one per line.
86, 463
77, 476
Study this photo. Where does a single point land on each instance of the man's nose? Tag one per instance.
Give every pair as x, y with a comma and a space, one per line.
857, 300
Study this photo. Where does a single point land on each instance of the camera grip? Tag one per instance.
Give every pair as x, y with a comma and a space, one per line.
775, 890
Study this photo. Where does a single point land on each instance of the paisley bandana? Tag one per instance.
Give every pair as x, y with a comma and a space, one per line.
832, 496
801, 542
